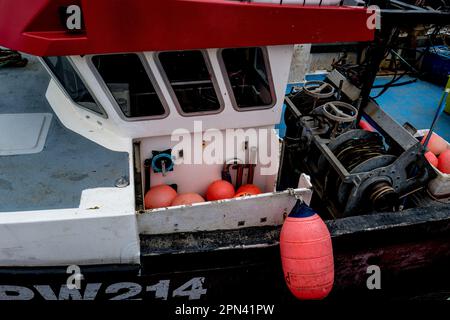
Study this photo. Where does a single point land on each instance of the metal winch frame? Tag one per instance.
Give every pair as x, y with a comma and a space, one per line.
379, 183
385, 177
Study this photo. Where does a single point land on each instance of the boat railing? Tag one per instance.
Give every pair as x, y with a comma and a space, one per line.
324, 3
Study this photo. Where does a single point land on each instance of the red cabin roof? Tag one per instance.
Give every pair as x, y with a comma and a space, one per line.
36, 26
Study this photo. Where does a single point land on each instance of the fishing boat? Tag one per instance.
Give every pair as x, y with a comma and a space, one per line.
139, 92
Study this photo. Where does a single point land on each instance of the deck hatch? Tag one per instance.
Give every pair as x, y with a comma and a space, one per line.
23, 133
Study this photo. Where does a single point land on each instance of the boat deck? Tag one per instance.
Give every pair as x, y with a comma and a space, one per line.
55, 177
415, 103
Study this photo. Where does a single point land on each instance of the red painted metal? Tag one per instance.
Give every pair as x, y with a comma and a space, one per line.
152, 25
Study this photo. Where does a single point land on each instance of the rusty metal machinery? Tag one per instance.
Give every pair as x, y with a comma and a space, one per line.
353, 171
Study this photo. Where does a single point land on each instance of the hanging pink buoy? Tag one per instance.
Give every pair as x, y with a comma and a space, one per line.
307, 254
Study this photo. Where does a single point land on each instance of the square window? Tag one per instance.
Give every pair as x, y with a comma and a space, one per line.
69, 79
249, 78
191, 80
130, 85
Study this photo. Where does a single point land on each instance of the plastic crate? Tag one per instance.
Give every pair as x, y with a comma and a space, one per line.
436, 64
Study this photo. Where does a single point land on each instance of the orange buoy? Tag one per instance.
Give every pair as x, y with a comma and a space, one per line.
306, 254
366, 126
432, 159
444, 162
220, 189
159, 196
187, 198
437, 145
247, 190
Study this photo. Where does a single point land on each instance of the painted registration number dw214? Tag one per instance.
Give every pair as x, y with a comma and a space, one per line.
162, 290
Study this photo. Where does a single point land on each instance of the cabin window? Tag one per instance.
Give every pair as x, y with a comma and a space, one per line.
249, 77
191, 81
130, 85
68, 78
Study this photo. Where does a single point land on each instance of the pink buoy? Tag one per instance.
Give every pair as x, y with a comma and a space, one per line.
444, 162
307, 254
432, 159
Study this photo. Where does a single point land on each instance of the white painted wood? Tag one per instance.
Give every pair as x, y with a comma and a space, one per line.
197, 177
23, 133
268, 209
85, 123
98, 232
68, 238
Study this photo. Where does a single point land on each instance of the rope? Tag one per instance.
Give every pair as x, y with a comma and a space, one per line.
13, 59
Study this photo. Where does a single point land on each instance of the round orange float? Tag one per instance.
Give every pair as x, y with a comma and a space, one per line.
366, 126
432, 159
247, 190
444, 162
159, 196
220, 189
437, 145
187, 198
